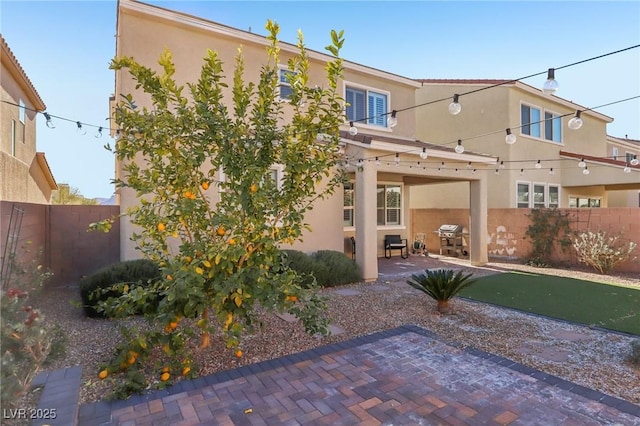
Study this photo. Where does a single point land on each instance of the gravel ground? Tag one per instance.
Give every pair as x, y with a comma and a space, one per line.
590, 357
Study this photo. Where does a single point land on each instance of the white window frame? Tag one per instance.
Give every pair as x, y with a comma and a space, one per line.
539, 123
378, 227
545, 195
549, 186
528, 184
22, 115
367, 89
614, 152
531, 203
400, 225
555, 115
352, 207
628, 156
542, 123
285, 83
589, 199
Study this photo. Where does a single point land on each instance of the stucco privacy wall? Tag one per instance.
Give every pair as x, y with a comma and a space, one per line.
58, 234
506, 229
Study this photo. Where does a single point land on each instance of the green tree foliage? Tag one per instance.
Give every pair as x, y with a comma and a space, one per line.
218, 250
67, 194
548, 227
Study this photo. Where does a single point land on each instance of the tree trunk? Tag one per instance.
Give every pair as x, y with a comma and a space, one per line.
443, 306
205, 338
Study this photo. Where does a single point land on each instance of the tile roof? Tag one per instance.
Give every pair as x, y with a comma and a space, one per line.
12, 64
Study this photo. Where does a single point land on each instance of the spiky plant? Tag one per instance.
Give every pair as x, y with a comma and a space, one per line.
441, 285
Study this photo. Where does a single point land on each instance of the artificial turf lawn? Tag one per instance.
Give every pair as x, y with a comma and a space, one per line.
607, 306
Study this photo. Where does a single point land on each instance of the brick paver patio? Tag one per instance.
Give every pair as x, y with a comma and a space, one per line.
403, 376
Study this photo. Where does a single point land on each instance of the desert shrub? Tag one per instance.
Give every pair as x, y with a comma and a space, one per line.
601, 251
328, 268
104, 283
441, 285
548, 228
634, 356
26, 339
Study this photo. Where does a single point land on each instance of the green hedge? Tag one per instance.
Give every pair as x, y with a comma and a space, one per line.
136, 272
330, 268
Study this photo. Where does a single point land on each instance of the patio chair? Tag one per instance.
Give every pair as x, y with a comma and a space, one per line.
395, 242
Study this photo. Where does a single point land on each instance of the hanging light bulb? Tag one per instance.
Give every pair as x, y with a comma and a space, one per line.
424, 154
49, 122
455, 107
397, 160
377, 161
538, 165
360, 164
469, 165
442, 165
576, 122
510, 138
585, 171
81, 130
502, 164
118, 134
353, 130
459, 148
392, 121
634, 161
627, 169
98, 133
551, 85
497, 172
474, 171
582, 164
521, 172
551, 172
456, 170
439, 170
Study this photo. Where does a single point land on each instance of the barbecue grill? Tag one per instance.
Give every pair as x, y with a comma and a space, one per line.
451, 239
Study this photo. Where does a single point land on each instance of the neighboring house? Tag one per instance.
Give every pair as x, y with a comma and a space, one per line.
628, 151
25, 175
376, 201
542, 168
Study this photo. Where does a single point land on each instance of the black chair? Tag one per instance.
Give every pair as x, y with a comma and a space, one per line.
353, 247
394, 242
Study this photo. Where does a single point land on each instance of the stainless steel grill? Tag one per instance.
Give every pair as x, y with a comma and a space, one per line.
451, 239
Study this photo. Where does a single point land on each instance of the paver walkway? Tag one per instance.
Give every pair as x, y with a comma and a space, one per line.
404, 376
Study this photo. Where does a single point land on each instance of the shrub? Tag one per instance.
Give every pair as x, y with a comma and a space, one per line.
548, 227
441, 285
601, 251
328, 268
26, 341
102, 285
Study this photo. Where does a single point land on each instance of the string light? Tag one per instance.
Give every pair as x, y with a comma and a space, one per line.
49, 122
353, 130
551, 172
497, 172
397, 160
510, 139
80, 129
627, 169
377, 161
424, 154
455, 107
551, 85
392, 121
538, 165
582, 164
634, 161
521, 172
585, 171
502, 164
576, 122
459, 148
98, 134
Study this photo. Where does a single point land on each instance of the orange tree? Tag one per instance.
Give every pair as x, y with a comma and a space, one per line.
209, 212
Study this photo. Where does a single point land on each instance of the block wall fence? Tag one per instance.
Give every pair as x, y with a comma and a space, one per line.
56, 237
506, 230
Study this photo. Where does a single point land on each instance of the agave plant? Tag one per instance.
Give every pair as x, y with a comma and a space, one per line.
441, 285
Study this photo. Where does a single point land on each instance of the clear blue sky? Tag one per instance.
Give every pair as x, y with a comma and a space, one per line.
65, 48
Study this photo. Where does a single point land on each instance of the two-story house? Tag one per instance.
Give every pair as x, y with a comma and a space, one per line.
547, 164
25, 175
383, 159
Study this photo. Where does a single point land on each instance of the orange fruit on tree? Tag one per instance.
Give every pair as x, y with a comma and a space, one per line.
132, 360
173, 325
103, 374
253, 188
231, 241
169, 277
165, 370
161, 227
205, 185
186, 371
238, 353
221, 231
165, 376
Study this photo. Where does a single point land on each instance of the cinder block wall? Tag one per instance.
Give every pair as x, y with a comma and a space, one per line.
506, 229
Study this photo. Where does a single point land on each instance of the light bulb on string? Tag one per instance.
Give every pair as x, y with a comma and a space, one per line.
80, 130
634, 161
49, 123
455, 107
585, 171
576, 122
397, 160
353, 130
502, 164
442, 165
521, 172
551, 85
497, 172
424, 154
538, 165
392, 121
377, 161
469, 165
98, 134
510, 139
474, 171
551, 172
627, 169
582, 164
459, 148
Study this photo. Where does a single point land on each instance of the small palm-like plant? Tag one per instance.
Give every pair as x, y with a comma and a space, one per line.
441, 285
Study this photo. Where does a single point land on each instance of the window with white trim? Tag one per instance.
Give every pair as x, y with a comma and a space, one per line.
366, 106
284, 84
349, 205
532, 124
585, 202
554, 196
22, 112
614, 152
523, 195
389, 204
552, 127
530, 120
537, 195
539, 200
628, 156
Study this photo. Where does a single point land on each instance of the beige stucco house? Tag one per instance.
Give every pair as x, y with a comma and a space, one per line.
549, 165
25, 175
383, 162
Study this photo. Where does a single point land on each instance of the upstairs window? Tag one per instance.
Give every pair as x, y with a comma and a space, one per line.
22, 112
614, 152
552, 127
530, 121
366, 106
284, 83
